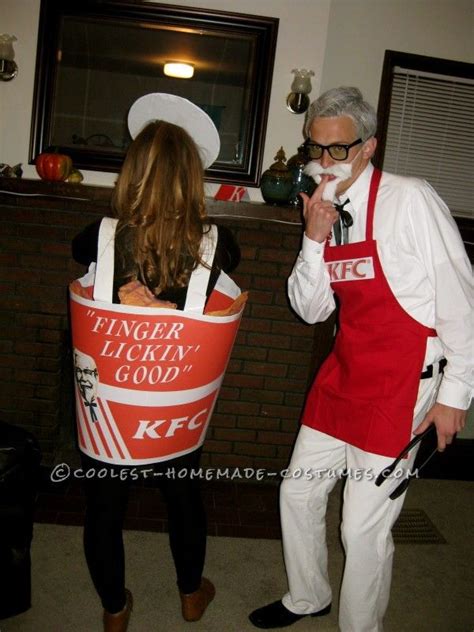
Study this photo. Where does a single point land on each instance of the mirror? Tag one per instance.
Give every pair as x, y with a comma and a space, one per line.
95, 59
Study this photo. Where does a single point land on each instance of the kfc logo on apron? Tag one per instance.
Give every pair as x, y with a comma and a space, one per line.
351, 269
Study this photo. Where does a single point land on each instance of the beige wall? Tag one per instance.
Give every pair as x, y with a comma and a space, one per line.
19, 18
301, 42
343, 41
360, 31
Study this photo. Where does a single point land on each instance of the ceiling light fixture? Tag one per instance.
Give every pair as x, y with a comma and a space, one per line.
178, 69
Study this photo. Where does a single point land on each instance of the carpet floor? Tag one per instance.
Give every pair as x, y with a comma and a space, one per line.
431, 589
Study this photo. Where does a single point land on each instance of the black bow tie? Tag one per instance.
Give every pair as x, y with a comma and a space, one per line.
91, 405
345, 218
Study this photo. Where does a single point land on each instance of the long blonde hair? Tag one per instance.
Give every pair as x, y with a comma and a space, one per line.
160, 194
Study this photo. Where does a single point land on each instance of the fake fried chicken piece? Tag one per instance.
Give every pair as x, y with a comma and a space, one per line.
137, 294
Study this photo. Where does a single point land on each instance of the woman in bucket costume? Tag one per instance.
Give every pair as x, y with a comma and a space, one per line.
159, 202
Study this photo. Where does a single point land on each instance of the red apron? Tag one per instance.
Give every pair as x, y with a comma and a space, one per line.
366, 390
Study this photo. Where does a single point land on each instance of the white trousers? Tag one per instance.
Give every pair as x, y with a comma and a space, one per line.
367, 519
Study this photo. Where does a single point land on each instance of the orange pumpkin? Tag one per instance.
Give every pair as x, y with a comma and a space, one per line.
53, 166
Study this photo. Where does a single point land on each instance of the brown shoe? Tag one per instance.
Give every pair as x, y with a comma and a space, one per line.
119, 622
194, 604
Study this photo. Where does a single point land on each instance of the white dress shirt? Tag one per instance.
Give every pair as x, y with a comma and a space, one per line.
425, 264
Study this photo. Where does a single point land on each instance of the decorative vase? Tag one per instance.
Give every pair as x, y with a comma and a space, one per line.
300, 181
277, 181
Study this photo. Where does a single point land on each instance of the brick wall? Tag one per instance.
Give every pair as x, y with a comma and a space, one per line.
275, 356
256, 416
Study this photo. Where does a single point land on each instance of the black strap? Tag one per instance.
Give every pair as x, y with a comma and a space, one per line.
337, 231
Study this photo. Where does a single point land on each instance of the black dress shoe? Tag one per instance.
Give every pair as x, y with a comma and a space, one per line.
275, 615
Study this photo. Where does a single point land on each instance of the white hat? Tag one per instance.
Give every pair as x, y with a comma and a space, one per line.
179, 111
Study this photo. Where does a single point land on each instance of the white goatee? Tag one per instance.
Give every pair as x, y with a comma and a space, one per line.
341, 172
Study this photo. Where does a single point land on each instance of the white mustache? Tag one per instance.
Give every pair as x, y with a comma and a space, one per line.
316, 170
341, 172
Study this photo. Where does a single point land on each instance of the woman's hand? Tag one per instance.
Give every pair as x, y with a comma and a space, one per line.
137, 294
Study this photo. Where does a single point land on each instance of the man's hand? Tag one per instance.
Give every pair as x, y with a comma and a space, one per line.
448, 421
319, 215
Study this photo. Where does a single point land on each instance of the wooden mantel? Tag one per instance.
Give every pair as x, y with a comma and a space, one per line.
101, 195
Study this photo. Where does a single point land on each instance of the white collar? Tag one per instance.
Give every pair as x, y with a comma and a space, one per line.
358, 192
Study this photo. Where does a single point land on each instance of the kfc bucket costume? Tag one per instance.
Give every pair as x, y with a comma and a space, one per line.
155, 373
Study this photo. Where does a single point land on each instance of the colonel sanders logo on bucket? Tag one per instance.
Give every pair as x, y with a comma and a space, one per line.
87, 378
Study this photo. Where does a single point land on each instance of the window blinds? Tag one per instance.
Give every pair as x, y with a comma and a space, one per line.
430, 134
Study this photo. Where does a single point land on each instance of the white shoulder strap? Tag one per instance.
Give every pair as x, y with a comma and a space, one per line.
104, 272
196, 294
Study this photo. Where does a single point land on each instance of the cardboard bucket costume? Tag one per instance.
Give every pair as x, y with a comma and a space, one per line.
147, 378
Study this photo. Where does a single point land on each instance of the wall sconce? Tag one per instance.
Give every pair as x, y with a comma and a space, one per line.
178, 69
8, 68
298, 100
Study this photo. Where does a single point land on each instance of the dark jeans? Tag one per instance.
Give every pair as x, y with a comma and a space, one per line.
107, 499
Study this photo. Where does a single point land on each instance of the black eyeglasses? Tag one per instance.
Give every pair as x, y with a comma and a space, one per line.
337, 151
384, 474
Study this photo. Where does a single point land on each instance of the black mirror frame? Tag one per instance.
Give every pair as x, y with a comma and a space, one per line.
265, 30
